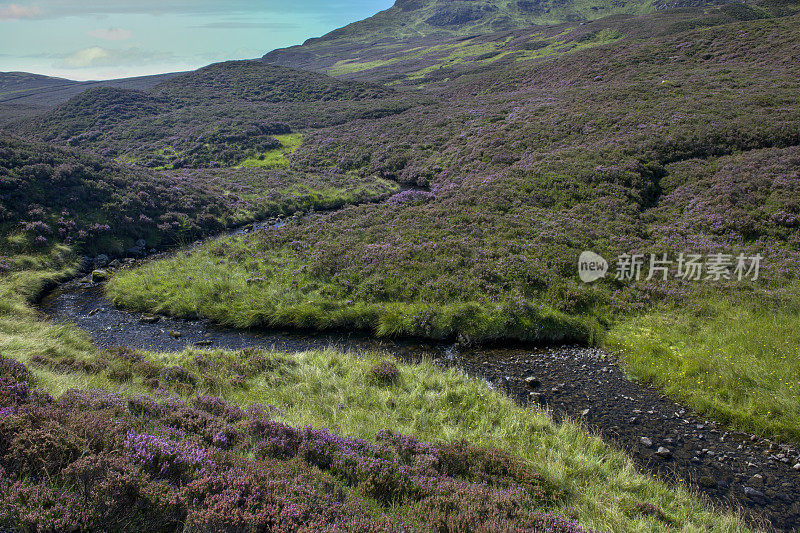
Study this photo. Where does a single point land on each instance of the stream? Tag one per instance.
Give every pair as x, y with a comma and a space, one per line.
731, 469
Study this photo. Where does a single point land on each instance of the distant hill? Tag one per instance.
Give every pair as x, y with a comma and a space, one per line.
254, 81
426, 22
220, 115
24, 94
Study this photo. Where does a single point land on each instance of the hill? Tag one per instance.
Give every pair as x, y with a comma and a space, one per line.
422, 34
221, 115
528, 165
24, 95
52, 195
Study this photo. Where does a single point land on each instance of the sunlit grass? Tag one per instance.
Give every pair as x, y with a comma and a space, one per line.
735, 359
272, 288
598, 486
277, 158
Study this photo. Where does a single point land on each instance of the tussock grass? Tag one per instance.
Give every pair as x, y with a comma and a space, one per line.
274, 289
598, 485
733, 358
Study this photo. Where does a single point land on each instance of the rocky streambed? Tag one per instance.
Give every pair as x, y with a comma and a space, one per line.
733, 469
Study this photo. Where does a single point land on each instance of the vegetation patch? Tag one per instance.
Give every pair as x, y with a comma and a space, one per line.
88, 440
733, 358
277, 157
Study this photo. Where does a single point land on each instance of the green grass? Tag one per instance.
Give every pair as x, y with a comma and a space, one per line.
598, 485
235, 283
277, 158
733, 358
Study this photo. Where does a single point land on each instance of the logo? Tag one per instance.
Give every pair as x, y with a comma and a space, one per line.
591, 267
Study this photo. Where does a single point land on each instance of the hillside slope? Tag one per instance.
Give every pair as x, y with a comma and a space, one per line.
24, 95
413, 32
220, 115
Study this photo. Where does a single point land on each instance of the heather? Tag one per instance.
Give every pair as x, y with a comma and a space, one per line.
50, 195
247, 453
92, 460
219, 116
524, 167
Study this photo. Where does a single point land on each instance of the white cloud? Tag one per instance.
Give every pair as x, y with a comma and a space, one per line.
87, 57
111, 34
104, 57
17, 11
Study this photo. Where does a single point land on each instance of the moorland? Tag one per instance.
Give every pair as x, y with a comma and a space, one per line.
431, 173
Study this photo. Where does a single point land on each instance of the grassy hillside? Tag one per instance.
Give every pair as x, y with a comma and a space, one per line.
399, 46
218, 116
53, 195
693, 151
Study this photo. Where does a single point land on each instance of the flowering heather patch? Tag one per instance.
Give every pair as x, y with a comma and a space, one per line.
528, 166
385, 372
59, 195
94, 461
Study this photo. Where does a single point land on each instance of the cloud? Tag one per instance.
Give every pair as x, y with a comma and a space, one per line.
111, 34
103, 57
71, 8
17, 11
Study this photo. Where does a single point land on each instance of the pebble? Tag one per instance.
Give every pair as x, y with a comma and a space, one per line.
646, 442
796, 467
664, 453
533, 382
750, 492
175, 334
99, 275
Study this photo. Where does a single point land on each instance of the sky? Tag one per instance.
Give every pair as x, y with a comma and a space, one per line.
107, 39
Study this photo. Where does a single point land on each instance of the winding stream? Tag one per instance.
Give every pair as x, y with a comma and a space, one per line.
575, 382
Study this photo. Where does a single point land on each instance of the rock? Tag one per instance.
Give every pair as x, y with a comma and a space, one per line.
536, 397
585, 412
757, 480
99, 275
707, 482
664, 453
796, 467
206, 342
175, 334
533, 382
114, 264
100, 261
150, 319
750, 492
644, 441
